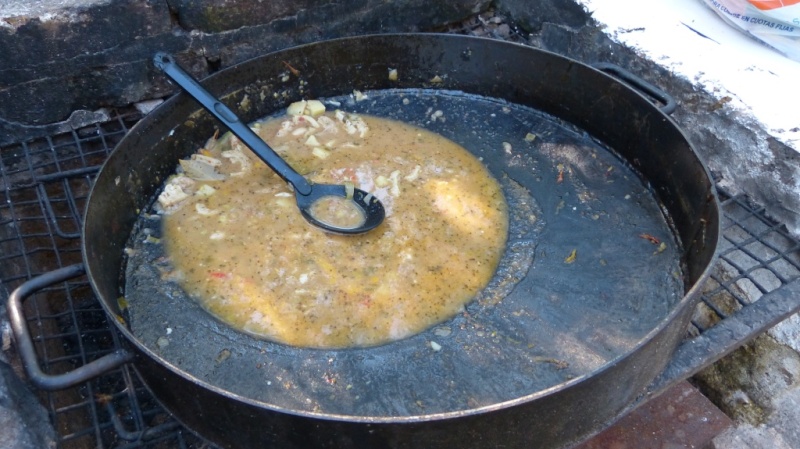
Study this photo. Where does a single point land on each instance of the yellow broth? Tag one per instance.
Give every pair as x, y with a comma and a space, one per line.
337, 211
240, 247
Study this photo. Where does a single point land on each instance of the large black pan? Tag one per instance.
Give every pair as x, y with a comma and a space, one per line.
550, 353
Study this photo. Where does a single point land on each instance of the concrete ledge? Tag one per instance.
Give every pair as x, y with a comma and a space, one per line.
59, 57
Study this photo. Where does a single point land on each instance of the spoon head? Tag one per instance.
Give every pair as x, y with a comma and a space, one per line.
328, 207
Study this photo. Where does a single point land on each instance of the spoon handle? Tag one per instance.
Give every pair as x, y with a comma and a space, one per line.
167, 64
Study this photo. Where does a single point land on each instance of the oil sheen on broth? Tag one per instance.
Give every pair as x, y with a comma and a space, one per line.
240, 247
338, 211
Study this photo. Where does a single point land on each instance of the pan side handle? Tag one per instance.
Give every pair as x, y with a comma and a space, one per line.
729, 334
25, 346
669, 103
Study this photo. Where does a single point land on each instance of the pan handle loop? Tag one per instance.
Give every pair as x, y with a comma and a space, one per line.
635, 81
25, 346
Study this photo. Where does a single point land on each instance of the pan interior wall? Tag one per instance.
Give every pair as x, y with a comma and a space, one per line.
591, 267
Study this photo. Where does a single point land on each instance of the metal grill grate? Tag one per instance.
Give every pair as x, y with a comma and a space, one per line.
45, 184
757, 256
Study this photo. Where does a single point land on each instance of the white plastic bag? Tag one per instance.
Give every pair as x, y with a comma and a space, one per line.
774, 22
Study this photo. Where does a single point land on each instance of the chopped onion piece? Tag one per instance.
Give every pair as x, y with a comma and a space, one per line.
284, 202
414, 174
314, 108
205, 190
381, 181
312, 141
311, 121
393, 177
202, 209
328, 125
238, 157
212, 161
200, 170
320, 152
349, 189
286, 127
171, 195
296, 108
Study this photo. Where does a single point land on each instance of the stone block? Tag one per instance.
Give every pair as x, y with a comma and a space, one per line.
531, 16
323, 16
24, 422
59, 57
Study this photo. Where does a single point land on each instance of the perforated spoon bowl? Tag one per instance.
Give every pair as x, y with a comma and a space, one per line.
307, 194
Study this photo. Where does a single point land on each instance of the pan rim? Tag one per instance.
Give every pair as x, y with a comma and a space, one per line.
689, 298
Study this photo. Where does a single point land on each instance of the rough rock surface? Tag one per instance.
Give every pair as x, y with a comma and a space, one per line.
24, 423
23, 420
758, 386
59, 57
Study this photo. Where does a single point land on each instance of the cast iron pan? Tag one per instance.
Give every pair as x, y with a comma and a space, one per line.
550, 352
